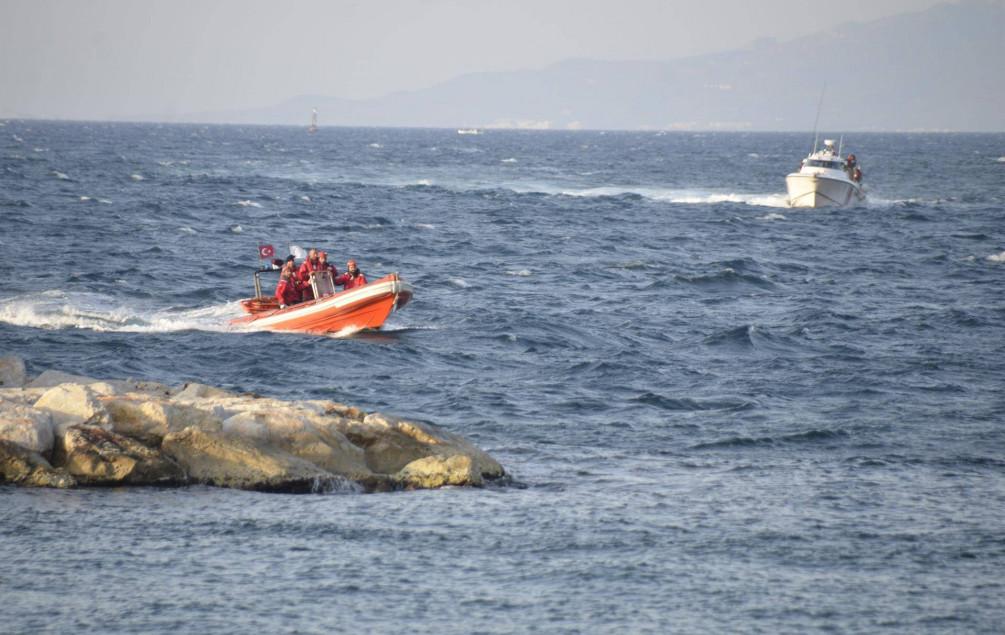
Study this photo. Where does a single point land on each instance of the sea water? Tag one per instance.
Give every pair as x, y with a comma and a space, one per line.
721, 414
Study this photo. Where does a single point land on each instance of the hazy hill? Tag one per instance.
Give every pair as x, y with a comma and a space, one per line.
940, 69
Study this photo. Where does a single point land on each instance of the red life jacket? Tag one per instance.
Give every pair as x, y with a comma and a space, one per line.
306, 269
287, 292
350, 282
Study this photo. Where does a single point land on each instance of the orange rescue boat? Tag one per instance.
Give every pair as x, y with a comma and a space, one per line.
365, 307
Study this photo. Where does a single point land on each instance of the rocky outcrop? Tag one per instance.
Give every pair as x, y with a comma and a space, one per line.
392, 443
304, 435
216, 459
436, 471
95, 456
25, 426
128, 432
21, 466
72, 404
51, 378
149, 420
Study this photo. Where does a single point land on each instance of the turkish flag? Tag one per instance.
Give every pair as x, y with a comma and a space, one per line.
266, 251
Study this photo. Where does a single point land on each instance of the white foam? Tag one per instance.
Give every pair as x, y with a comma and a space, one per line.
345, 332
237, 229
459, 282
692, 197
249, 203
61, 310
60, 175
185, 229
391, 326
305, 198
523, 273
997, 257
137, 177
424, 226
1000, 159
85, 199
509, 160
773, 216
375, 145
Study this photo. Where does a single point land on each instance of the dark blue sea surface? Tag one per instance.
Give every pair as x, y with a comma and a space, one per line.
726, 415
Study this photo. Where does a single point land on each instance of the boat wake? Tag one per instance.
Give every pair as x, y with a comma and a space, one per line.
56, 310
691, 197
694, 196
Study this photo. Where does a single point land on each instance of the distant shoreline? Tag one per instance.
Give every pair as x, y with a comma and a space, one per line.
489, 129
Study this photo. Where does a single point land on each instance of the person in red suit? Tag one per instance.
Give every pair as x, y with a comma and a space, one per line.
288, 289
352, 278
309, 266
327, 266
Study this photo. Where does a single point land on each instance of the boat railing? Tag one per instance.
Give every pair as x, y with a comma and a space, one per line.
258, 278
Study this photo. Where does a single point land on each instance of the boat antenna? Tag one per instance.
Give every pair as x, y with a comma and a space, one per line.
840, 145
817, 120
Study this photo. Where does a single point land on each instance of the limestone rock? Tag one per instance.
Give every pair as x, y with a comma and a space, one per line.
391, 443
96, 456
302, 434
229, 461
51, 378
193, 391
23, 396
30, 428
21, 466
221, 407
437, 471
12, 372
107, 432
152, 388
333, 408
149, 420
71, 404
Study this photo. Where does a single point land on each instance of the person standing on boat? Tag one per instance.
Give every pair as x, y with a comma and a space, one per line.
851, 167
352, 278
311, 265
327, 266
288, 289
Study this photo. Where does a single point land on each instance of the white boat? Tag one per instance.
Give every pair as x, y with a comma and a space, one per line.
314, 122
468, 131
825, 179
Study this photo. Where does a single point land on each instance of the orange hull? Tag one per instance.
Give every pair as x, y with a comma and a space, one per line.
365, 307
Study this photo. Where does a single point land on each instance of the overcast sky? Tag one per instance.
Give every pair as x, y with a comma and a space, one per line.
98, 59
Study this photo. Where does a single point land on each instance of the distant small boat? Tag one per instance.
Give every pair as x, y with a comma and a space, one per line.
468, 131
825, 179
314, 122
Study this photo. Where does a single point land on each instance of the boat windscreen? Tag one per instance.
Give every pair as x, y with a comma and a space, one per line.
817, 163
322, 283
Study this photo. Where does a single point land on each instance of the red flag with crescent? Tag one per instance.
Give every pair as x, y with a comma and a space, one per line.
266, 251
